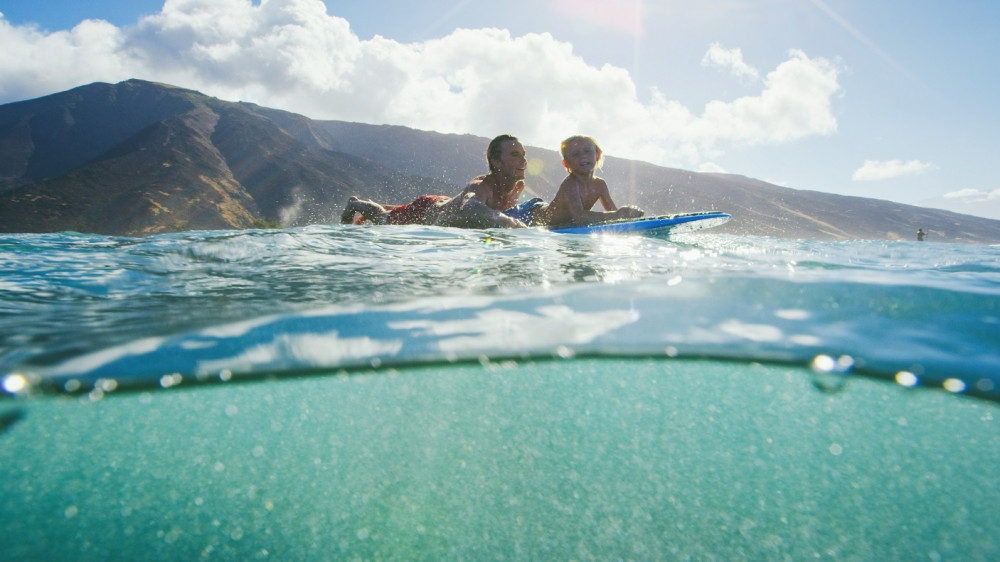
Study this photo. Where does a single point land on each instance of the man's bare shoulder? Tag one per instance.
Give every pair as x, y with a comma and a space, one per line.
480, 188
475, 184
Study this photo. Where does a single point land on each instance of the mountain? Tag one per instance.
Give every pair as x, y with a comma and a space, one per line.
138, 158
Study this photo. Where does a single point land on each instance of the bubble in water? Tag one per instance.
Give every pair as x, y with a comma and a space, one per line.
106, 385
167, 381
829, 374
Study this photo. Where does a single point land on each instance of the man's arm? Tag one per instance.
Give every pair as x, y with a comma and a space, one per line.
468, 210
475, 208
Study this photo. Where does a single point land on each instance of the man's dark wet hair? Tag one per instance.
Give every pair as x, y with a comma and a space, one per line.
495, 149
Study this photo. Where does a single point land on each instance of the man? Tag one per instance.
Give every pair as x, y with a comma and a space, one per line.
479, 205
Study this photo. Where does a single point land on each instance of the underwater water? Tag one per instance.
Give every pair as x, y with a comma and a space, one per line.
344, 392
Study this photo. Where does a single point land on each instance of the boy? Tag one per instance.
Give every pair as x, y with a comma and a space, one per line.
581, 189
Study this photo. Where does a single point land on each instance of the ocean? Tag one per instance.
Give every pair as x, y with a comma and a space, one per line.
380, 393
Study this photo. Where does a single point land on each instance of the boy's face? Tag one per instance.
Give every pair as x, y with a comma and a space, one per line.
581, 156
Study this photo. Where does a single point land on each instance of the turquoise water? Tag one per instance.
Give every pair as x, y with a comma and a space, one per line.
341, 392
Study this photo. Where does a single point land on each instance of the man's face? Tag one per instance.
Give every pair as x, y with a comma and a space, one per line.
513, 160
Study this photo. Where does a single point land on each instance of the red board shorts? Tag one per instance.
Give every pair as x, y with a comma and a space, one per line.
416, 211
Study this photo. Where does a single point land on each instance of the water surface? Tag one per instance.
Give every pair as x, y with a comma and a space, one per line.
428, 393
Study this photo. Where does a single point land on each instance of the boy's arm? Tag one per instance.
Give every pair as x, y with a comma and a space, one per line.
579, 215
627, 212
605, 196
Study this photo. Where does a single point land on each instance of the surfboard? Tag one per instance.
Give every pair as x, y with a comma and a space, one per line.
651, 226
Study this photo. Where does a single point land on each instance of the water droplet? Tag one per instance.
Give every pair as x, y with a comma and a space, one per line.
954, 385
907, 379
822, 363
15, 383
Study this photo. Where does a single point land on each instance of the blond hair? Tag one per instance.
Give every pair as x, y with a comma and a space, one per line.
574, 138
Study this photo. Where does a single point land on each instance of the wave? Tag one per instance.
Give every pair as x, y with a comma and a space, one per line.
211, 306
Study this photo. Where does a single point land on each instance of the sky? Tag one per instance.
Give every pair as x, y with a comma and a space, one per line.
891, 99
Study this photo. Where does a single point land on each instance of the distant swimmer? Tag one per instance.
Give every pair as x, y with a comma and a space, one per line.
920, 235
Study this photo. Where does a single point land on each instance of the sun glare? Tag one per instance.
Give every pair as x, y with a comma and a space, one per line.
624, 17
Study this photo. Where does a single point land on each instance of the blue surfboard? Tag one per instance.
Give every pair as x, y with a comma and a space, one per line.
651, 226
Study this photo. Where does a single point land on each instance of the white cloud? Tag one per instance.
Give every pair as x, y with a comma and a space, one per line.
731, 59
291, 54
974, 195
35, 63
968, 201
875, 170
711, 168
